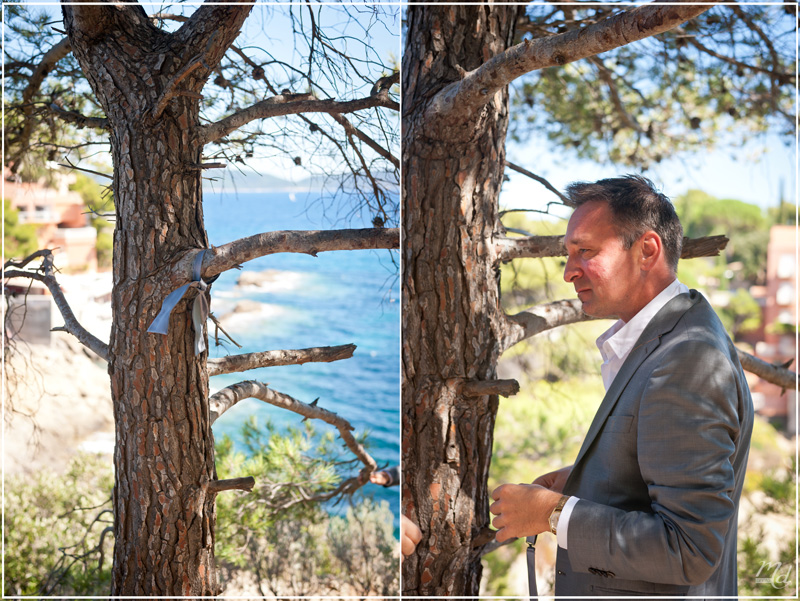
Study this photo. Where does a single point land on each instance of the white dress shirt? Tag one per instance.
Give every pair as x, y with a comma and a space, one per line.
615, 345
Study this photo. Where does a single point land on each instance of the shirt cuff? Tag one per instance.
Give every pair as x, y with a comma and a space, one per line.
563, 522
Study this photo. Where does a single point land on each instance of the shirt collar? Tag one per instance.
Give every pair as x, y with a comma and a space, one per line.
619, 338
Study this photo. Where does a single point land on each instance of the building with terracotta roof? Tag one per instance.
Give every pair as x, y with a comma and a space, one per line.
60, 218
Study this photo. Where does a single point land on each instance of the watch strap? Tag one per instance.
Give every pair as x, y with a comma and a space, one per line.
557, 512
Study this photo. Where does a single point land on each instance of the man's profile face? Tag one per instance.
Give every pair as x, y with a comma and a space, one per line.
604, 273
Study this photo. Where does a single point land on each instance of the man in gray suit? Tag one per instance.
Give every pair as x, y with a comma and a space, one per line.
650, 505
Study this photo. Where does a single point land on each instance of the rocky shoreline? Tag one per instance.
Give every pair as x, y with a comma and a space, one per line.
57, 402
57, 397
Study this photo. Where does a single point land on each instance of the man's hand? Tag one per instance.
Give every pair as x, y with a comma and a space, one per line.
381, 478
410, 535
556, 480
522, 510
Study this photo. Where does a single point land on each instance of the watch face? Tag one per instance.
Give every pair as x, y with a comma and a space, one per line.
554, 520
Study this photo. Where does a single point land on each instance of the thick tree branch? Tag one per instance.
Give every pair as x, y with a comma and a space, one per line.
77, 119
210, 31
476, 88
541, 318
285, 104
775, 374
239, 251
71, 324
478, 388
536, 247
228, 397
217, 486
707, 246
94, 19
239, 363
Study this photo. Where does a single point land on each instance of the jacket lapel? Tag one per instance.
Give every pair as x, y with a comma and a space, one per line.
663, 323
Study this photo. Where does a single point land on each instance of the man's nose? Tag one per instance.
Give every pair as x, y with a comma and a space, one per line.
571, 270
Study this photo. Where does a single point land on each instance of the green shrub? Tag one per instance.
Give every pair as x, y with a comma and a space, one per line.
290, 543
19, 239
59, 537
54, 525
364, 549
104, 247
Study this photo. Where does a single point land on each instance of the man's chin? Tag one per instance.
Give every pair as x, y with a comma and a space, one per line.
587, 308
595, 312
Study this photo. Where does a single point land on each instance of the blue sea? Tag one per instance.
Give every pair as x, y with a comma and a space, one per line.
339, 297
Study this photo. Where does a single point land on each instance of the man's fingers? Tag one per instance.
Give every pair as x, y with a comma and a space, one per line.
497, 492
499, 522
410, 530
547, 480
495, 508
502, 535
408, 545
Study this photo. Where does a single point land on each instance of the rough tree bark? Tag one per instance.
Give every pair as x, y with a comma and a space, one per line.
149, 85
457, 63
451, 314
164, 455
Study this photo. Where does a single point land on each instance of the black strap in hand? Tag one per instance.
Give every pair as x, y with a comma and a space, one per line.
531, 557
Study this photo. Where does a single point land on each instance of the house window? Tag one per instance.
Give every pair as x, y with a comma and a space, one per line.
785, 266
785, 294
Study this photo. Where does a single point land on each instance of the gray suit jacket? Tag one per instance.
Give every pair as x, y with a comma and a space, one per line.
660, 472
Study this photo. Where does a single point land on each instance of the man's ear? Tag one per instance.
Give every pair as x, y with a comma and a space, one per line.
651, 250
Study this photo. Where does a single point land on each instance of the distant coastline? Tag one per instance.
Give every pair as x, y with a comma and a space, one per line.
260, 183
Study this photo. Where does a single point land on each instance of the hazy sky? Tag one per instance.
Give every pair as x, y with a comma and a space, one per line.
268, 27
752, 174
749, 174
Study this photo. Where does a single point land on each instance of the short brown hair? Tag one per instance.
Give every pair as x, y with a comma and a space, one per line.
636, 207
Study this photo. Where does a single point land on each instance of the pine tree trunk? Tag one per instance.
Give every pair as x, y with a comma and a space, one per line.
164, 448
164, 455
452, 320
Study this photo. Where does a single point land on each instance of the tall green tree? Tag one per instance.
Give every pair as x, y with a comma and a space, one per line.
726, 75
745, 224
172, 96
458, 65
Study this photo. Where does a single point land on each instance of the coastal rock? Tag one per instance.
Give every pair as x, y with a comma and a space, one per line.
259, 278
57, 398
247, 306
